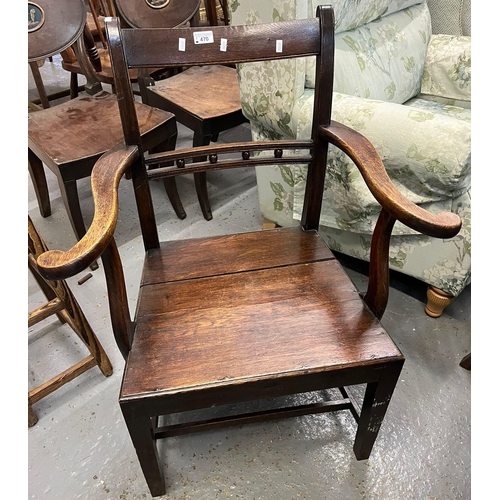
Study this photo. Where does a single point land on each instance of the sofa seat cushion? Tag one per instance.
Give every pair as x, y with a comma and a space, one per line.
425, 147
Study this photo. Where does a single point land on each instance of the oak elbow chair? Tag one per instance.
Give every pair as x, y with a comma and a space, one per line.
246, 316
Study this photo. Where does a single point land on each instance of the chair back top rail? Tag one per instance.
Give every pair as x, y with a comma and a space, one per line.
167, 47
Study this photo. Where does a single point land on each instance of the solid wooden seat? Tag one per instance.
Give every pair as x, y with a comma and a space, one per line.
70, 137
67, 140
226, 308
199, 92
252, 316
205, 99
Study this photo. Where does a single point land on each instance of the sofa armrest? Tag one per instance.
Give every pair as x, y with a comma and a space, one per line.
447, 67
369, 163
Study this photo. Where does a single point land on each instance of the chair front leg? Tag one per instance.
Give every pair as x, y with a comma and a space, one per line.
375, 404
141, 432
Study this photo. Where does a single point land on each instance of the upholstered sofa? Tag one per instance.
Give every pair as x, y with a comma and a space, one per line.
408, 90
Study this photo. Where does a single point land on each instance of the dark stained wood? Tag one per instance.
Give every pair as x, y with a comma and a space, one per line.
180, 323
466, 362
71, 137
151, 44
218, 255
56, 134
377, 293
247, 316
249, 418
37, 77
99, 56
203, 91
60, 29
91, 49
37, 174
138, 14
123, 327
105, 179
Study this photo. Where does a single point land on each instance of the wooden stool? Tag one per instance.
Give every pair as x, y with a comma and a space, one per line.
62, 303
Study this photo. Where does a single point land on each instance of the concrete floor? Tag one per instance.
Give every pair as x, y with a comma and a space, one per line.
80, 449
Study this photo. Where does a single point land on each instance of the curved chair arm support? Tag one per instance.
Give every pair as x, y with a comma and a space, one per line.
366, 158
106, 175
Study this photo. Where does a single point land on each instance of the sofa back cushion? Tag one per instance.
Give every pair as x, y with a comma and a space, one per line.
447, 70
382, 58
272, 109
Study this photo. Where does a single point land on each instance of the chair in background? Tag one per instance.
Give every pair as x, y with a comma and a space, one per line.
70, 137
247, 316
99, 10
60, 302
205, 99
104, 74
214, 12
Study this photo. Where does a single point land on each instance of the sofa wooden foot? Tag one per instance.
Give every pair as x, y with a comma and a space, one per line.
269, 224
437, 300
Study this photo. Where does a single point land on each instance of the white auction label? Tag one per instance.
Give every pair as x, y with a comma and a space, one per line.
203, 37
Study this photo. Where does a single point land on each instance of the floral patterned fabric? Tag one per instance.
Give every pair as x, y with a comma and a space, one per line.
447, 69
424, 142
383, 59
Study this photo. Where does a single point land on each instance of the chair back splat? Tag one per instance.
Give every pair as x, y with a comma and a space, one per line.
244, 317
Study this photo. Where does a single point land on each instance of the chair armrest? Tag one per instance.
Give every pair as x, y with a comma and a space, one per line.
366, 158
447, 67
105, 178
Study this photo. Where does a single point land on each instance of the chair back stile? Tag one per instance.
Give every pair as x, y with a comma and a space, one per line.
313, 196
132, 135
167, 47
